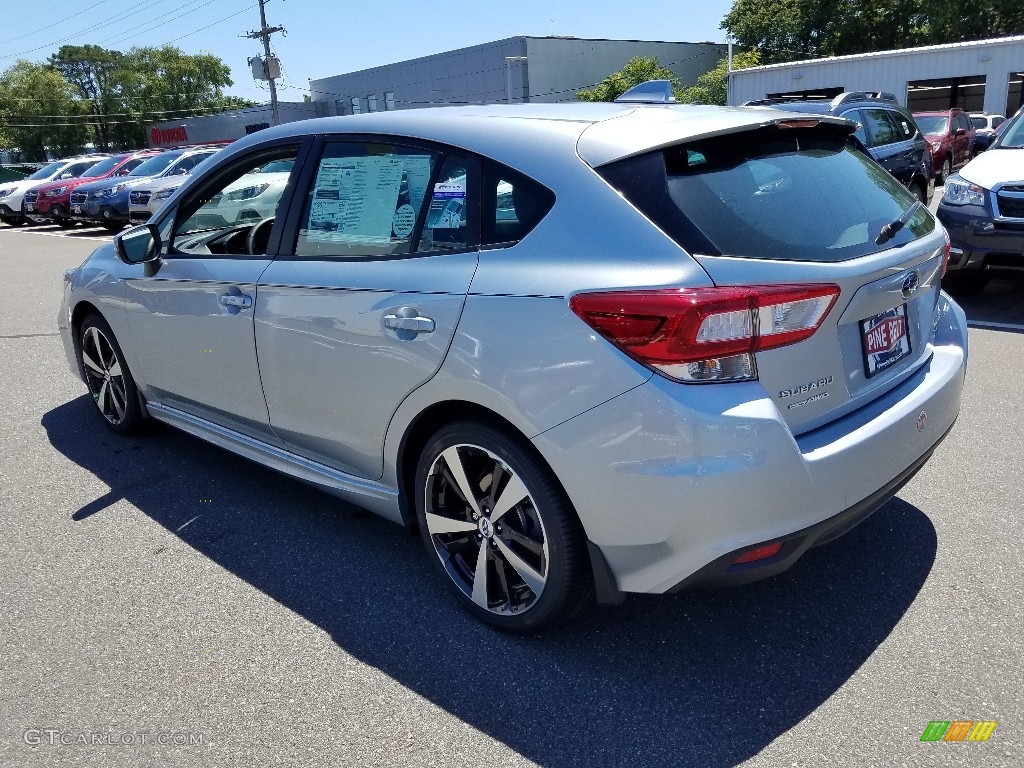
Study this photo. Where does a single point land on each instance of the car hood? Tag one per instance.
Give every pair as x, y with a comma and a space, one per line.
17, 187
995, 166
936, 136
111, 181
154, 184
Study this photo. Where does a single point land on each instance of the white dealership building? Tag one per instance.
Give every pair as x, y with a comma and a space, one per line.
977, 76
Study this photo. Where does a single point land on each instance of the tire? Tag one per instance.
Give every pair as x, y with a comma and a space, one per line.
946, 170
106, 374
916, 191
536, 570
968, 282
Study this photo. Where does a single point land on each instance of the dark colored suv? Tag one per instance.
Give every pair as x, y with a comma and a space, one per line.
886, 130
950, 137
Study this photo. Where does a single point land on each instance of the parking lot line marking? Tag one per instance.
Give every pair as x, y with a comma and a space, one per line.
58, 234
984, 324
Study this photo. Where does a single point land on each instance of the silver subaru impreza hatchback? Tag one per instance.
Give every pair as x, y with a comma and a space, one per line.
587, 349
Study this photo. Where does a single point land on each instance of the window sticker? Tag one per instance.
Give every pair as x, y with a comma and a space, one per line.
354, 199
404, 221
447, 204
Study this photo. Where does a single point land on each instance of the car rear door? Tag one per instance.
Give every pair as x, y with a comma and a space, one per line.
361, 304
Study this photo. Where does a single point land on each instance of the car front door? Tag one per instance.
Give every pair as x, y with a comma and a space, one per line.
192, 320
361, 305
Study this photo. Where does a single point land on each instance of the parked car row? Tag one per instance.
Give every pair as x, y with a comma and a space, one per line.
94, 188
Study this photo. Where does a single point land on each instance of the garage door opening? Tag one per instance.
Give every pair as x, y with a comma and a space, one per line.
1014, 97
825, 94
967, 93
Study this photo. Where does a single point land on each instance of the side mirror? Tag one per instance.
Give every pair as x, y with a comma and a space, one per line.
959, 132
65, 175
138, 245
122, 172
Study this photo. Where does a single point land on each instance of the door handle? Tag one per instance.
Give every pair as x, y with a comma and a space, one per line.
416, 324
242, 301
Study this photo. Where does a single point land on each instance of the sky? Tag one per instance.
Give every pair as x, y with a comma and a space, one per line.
331, 37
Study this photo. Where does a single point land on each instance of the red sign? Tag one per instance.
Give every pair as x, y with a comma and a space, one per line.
886, 335
168, 135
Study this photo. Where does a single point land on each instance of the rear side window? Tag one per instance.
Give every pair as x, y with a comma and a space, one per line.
793, 194
512, 205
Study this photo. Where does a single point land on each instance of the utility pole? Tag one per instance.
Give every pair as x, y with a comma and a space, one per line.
264, 34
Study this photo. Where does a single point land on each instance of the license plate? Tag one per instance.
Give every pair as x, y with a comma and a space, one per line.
76, 208
30, 207
885, 339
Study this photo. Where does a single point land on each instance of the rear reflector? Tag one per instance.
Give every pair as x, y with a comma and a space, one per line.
706, 334
759, 553
945, 254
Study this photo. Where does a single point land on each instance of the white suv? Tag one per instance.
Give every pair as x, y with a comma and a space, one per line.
12, 194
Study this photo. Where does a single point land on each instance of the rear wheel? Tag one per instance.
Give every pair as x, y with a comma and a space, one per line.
107, 376
946, 170
918, 192
500, 529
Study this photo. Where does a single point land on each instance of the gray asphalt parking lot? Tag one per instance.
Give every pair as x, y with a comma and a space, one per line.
158, 589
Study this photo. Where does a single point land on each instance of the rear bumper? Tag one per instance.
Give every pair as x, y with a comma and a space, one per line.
671, 481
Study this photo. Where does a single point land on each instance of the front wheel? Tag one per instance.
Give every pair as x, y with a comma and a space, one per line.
107, 376
500, 529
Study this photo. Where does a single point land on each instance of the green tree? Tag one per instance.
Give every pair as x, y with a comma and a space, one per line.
38, 111
788, 30
711, 86
125, 92
638, 70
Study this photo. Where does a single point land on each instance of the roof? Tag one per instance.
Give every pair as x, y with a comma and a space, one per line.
521, 134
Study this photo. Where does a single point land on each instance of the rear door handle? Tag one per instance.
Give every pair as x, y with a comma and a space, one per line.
242, 301
416, 323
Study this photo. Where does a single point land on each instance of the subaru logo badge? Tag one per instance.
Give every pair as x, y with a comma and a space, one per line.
910, 285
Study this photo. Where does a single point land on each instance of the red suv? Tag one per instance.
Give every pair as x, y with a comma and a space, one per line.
950, 137
51, 201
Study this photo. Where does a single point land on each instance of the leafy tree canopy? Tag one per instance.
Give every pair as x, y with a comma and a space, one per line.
711, 86
87, 93
789, 30
638, 70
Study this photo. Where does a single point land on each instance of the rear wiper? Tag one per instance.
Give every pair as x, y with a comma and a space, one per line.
890, 229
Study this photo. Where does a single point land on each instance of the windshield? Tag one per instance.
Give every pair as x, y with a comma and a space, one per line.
798, 195
1012, 136
155, 165
980, 122
932, 123
103, 167
48, 170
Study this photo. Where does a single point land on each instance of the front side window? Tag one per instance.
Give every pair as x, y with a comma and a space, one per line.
798, 194
234, 213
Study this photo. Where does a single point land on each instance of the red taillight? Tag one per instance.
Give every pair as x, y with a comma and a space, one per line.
759, 553
706, 334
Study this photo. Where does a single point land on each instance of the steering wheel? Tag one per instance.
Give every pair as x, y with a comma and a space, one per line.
259, 237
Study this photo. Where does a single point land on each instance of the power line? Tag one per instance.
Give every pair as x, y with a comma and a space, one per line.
54, 24
120, 16
119, 38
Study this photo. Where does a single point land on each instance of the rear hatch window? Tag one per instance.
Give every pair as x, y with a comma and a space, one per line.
797, 194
